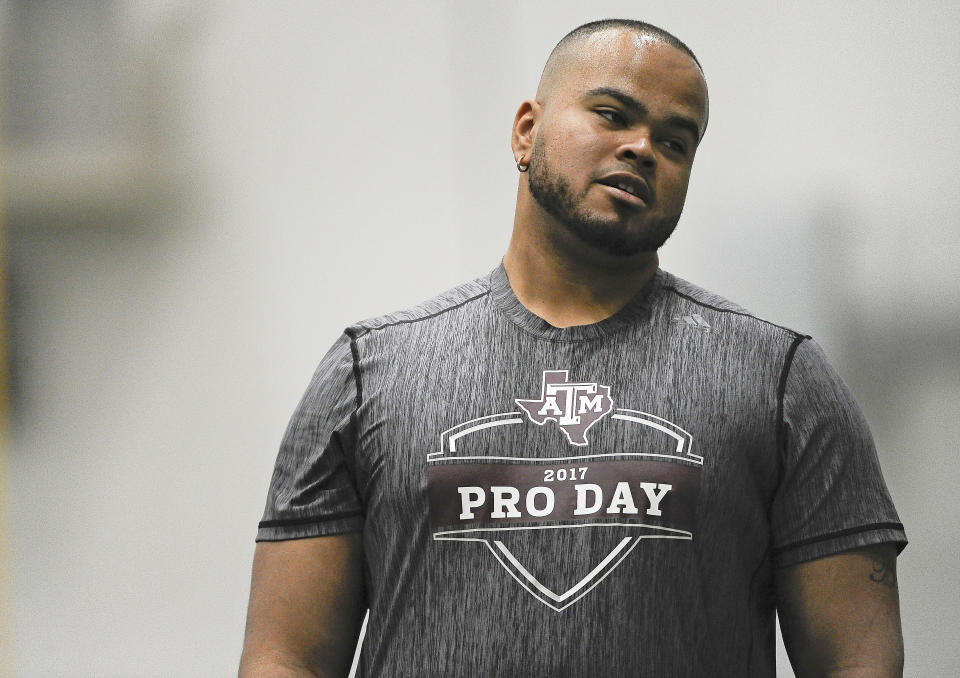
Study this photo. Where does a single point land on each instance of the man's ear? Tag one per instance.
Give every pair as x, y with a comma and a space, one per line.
525, 126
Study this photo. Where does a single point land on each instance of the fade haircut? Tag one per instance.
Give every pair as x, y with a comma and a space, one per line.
640, 28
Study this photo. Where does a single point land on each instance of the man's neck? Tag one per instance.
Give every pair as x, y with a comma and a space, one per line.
565, 289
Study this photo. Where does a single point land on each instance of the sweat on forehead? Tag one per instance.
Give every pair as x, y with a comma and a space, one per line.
597, 38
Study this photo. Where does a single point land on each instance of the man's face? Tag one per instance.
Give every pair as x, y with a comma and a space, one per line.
614, 147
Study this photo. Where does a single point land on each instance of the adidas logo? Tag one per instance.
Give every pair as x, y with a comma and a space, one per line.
694, 321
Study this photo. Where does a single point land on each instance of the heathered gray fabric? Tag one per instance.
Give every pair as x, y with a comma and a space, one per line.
727, 444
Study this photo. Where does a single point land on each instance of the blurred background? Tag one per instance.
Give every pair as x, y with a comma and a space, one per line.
198, 197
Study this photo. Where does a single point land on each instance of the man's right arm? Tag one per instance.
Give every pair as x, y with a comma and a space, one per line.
306, 608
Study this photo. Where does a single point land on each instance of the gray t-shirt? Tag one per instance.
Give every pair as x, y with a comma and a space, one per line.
601, 500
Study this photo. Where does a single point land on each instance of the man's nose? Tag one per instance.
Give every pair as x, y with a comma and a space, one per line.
638, 151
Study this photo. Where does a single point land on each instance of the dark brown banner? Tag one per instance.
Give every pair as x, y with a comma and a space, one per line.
493, 494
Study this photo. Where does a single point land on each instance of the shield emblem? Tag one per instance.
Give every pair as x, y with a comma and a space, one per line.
531, 511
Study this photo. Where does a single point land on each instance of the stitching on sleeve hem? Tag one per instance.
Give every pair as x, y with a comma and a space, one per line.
836, 535
292, 522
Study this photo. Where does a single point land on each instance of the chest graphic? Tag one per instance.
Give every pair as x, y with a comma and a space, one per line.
575, 407
532, 511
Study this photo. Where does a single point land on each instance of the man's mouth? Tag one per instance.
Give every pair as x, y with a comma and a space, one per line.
635, 187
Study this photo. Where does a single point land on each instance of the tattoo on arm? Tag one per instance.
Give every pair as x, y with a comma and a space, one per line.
884, 571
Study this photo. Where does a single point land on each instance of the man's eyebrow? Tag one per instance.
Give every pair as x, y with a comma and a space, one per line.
673, 120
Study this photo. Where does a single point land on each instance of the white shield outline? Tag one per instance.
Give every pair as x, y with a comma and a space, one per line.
609, 562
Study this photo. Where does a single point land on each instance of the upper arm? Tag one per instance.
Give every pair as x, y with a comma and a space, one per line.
840, 615
306, 607
834, 529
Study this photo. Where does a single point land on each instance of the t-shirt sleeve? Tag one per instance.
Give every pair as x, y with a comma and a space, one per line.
312, 491
832, 496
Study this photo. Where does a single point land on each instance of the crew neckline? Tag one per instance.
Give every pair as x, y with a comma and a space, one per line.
636, 309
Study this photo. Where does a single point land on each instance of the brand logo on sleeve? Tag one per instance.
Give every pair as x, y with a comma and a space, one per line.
575, 406
531, 511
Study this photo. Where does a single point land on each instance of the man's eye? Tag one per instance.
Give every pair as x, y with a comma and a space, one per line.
675, 146
612, 116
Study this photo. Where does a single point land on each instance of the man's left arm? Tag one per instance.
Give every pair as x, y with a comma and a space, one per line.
840, 615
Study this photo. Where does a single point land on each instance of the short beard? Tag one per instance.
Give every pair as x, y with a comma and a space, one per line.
552, 192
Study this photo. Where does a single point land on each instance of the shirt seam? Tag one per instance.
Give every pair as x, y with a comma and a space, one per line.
779, 550
355, 358
363, 331
752, 599
348, 458
781, 430
308, 520
745, 314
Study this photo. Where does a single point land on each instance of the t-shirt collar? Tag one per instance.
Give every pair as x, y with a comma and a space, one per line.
634, 311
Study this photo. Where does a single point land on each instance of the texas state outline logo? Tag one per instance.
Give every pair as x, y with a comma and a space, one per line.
574, 406
518, 505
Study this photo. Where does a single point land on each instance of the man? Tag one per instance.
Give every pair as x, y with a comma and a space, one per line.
580, 465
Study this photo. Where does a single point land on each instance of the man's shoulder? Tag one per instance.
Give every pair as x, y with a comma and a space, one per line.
699, 306
436, 307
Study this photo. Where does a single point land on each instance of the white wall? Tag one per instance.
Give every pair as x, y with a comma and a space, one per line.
300, 165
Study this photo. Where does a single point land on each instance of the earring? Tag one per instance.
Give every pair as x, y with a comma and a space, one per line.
521, 166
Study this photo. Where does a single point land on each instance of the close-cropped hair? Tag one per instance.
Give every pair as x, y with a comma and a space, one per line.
639, 27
